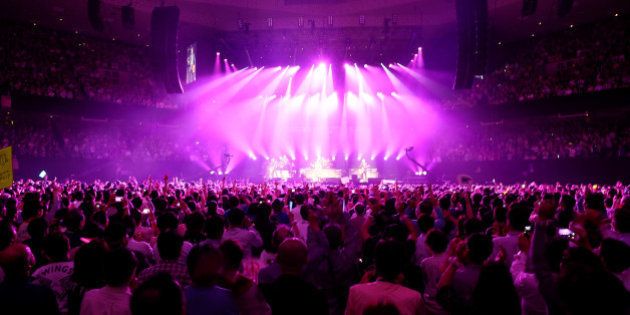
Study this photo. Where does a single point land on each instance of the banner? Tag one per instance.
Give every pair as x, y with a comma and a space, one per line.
6, 168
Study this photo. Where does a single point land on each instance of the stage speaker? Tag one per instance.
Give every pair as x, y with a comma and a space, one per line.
94, 15
564, 7
472, 29
529, 7
164, 24
128, 16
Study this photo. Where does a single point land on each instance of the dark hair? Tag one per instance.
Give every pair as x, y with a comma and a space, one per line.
622, 220
232, 254
169, 245
495, 292
235, 217
194, 222
120, 264
334, 235
615, 254
437, 241
445, 203
359, 209
197, 253
425, 207
7, 234
304, 212
56, 246
89, 265
73, 220
519, 217
115, 235
595, 201
37, 228
389, 259
479, 248
167, 222
382, 308
214, 227
425, 223
157, 295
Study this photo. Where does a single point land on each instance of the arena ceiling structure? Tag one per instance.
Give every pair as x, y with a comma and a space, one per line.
433, 16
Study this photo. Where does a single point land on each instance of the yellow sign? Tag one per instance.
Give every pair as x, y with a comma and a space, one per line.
6, 168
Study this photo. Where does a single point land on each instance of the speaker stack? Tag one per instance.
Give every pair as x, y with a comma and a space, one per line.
472, 30
164, 24
94, 15
127, 14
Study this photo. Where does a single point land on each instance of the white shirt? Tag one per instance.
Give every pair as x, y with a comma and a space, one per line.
509, 244
142, 247
421, 249
248, 239
362, 296
432, 271
106, 301
58, 277
526, 284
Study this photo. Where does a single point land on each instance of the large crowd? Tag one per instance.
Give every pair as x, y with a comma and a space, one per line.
578, 60
522, 139
46, 62
174, 247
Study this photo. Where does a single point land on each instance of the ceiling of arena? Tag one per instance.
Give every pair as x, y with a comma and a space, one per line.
433, 16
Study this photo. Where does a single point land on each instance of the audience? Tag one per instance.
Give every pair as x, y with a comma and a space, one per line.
488, 249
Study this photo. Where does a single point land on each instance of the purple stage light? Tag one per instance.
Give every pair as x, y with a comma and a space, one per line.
303, 113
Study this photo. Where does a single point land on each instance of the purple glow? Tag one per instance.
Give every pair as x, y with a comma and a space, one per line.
302, 113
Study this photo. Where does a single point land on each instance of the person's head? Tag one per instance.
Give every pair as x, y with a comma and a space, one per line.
615, 254
214, 227
554, 253
577, 260
334, 235
299, 199
436, 241
594, 201
292, 256
305, 212
16, 261
116, 235
212, 207
232, 255
169, 245
194, 223
56, 247
445, 203
518, 217
359, 209
281, 233
204, 263
479, 248
236, 217
167, 222
89, 268
389, 259
425, 207
74, 220
157, 295
7, 234
495, 292
583, 292
621, 220
120, 266
277, 206
425, 223
37, 228
382, 308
